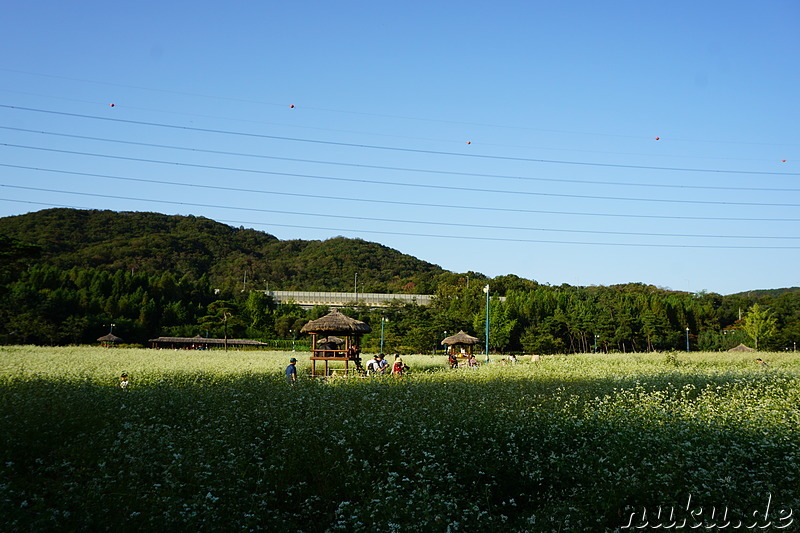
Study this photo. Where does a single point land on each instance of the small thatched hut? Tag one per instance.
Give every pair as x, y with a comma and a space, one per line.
335, 323
109, 339
742, 348
461, 339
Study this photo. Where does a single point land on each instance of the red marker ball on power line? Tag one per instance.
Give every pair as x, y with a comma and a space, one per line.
658, 138
291, 106
112, 105
469, 142
783, 161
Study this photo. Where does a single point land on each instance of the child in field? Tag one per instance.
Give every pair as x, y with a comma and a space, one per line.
398, 368
123, 381
451, 359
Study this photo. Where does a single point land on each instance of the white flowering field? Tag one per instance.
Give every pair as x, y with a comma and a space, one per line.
216, 441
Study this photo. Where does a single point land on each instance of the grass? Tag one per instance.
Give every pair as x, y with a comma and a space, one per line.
217, 441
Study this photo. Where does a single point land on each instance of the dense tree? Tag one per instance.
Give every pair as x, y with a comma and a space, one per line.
759, 324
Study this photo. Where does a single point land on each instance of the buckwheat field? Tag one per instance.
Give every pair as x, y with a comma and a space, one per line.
219, 441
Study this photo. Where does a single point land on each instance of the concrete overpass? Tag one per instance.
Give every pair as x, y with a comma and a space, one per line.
308, 299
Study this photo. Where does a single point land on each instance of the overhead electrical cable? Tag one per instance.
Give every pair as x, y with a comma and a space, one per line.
399, 169
404, 221
393, 202
399, 149
402, 184
380, 115
467, 237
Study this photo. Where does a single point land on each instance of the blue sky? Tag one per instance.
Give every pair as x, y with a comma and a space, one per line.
589, 143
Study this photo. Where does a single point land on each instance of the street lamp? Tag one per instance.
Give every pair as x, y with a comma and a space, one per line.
687, 338
445, 345
383, 320
293, 338
486, 290
596, 336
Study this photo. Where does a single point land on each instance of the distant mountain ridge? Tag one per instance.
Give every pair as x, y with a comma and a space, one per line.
228, 256
758, 293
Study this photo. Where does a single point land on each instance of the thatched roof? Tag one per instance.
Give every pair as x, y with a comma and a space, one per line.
109, 337
336, 322
742, 348
460, 338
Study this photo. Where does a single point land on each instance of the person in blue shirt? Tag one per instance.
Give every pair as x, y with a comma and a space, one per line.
291, 371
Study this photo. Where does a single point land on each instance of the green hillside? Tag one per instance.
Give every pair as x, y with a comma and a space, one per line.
154, 243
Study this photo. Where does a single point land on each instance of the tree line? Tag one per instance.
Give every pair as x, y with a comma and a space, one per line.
45, 304
66, 275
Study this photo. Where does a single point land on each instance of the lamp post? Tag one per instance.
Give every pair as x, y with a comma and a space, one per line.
383, 320
687, 338
595, 342
486, 290
225, 316
445, 346
293, 338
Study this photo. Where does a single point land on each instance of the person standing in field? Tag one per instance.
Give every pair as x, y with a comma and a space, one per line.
291, 371
123, 381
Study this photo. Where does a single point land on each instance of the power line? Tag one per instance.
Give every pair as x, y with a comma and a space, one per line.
393, 202
398, 149
402, 221
371, 114
402, 184
468, 237
398, 169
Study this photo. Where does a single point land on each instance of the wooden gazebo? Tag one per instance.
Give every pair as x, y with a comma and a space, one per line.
461, 339
345, 349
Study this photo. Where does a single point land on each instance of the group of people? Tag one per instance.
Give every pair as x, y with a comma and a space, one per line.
378, 365
452, 360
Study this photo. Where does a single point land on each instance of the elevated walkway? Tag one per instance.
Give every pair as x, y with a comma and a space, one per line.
309, 299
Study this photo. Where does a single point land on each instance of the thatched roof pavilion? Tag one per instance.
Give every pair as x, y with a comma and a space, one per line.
336, 323
742, 348
462, 339
109, 339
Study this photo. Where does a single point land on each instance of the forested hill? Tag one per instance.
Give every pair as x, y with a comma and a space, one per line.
195, 246
774, 293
